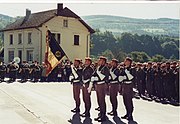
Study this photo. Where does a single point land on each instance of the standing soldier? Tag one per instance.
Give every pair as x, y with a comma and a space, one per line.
127, 88
114, 86
24, 71
158, 80
75, 79
149, 80
12, 69
86, 77
101, 76
139, 79
3, 70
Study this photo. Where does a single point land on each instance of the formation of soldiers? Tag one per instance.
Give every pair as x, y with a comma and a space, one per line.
155, 81
102, 76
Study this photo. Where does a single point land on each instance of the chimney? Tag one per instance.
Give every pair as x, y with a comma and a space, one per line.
59, 8
28, 13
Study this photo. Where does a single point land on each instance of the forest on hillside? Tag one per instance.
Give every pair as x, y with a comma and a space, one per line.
141, 48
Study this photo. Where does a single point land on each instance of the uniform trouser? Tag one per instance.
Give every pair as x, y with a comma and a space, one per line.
127, 97
76, 93
2, 75
100, 92
149, 87
86, 97
113, 90
140, 86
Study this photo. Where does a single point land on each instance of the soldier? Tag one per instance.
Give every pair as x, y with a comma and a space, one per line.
75, 79
3, 70
12, 69
100, 77
43, 72
139, 79
149, 80
126, 78
158, 80
114, 86
24, 71
86, 77
168, 81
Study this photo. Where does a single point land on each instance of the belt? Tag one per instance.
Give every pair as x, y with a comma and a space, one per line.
127, 82
86, 81
113, 82
75, 81
101, 82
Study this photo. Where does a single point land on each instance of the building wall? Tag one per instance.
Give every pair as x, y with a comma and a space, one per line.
24, 46
38, 45
75, 27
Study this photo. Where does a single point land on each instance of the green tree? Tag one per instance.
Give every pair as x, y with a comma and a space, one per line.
139, 56
158, 58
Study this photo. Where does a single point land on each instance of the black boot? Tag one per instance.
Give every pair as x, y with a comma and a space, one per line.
75, 110
125, 116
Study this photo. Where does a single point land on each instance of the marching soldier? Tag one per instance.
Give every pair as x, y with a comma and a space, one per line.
86, 77
127, 88
101, 77
3, 70
114, 86
75, 79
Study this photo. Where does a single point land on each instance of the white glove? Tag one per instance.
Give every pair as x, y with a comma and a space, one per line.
71, 78
109, 77
94, 79
90, 87
121, 78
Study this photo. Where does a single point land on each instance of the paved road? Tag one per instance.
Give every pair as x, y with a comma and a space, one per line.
50, 103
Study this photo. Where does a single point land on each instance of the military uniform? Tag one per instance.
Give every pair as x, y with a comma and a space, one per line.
140, 81
3, 70
12, 67
100, 77
25, 71
158, 82
75, 79
150, 81
86, 78
126, 78
114, 88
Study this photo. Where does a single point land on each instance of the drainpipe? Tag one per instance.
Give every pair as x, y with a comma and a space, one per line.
88, 45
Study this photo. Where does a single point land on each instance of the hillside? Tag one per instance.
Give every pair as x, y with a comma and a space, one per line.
118, 25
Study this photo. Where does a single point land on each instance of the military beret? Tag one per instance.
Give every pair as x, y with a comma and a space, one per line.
115, 60
129, 59
150, 63
78, 60
88, 58
104, 58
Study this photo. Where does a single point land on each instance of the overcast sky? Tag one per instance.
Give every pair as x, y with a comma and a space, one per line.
134, 10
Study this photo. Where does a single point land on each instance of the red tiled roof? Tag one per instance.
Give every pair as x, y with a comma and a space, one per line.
37, 19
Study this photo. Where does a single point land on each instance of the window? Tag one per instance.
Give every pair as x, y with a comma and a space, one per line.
19, 38
57, 36
11, 56
76, 39
20, 54
29, 55
29, 38
65, 23
10, 39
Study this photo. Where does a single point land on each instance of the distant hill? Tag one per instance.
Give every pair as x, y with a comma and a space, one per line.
118, 25
5, 20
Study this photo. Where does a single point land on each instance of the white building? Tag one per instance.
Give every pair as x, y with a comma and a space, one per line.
26, 37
